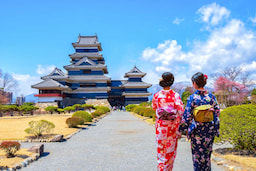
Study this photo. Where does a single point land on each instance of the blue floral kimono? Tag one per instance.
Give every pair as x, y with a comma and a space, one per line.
201, 134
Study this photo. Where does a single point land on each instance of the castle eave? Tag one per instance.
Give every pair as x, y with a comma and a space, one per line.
136, 94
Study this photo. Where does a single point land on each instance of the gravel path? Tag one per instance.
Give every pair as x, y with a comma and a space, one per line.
118, 142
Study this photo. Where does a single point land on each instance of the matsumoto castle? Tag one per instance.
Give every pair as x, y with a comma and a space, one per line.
85, 79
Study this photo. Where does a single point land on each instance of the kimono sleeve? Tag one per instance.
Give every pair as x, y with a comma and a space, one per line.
187, 116
154, 102
216, 115
179, 105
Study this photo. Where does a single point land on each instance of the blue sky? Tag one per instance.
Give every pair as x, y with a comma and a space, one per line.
178, 36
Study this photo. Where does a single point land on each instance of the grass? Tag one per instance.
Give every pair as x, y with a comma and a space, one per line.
21, 155
146, 119
12, 128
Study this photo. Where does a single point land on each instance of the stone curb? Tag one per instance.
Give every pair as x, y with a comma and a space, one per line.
66, 138
24, 163
222, 162
35, 157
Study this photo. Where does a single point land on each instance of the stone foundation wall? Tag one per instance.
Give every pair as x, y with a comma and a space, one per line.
43, 105
98, 102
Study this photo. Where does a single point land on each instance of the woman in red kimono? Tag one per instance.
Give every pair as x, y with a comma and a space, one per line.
169, 109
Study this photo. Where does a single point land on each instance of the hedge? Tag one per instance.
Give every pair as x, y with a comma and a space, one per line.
100, 110
87, 117
130, 107
238, 125
74, 121
139, 110
149, 112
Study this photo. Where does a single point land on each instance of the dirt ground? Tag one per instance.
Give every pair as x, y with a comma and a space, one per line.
12, 128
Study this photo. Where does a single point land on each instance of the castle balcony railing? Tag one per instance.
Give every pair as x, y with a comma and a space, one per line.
50, 95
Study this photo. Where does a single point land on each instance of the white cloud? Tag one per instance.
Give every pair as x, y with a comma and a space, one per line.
151, 77
226, 46
24, 83
253, 19
249, 67
177, 21
213, 14
44, 70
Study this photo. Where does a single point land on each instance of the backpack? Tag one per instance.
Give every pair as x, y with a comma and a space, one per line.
203, 113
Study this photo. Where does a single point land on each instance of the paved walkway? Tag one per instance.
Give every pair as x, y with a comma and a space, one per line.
118, 142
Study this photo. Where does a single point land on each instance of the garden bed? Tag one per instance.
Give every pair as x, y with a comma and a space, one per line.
20, 157
243, 159
13, 128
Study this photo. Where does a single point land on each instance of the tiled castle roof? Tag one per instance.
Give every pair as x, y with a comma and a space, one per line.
49, 84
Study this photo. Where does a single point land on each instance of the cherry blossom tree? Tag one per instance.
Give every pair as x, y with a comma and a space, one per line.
229, 92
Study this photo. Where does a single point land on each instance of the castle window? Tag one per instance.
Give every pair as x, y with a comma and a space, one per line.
88, 85
86, 71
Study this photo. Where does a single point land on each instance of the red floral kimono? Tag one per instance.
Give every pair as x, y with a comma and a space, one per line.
167, 133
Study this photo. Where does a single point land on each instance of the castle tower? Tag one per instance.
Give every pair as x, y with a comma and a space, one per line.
86, 73
135, 90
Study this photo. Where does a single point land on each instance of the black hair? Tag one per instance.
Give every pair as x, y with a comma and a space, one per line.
167, 80
200, 79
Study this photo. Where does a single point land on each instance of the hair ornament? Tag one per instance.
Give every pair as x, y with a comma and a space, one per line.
206, 77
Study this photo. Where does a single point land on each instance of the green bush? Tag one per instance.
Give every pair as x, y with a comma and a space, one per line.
77, 106
74, 121
145, 104
69, 109
185, 96
104, 109
138, 110
59, 110
10, 148
87, 117
39, 127
97, 113
51, 109
154, 117
87, 106
149, 112
238, 126
130, 107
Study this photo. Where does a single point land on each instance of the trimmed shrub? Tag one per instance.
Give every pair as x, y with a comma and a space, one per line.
87, 106
69, 109
138, 110
145, 104
154, 117
87, 117
74, 121
10, 148
39, 127
77, 106
237, 125
59, 110
97, 113
100, 110
149, 112
51, 109
104, 109
130, 107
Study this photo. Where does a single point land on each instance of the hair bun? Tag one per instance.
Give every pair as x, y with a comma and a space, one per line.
167, 76
167, 80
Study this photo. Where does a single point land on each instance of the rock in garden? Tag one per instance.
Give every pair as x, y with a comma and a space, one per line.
57, 138
37, 149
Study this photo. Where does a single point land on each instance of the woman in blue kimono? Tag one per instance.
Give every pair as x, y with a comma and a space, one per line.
201, 134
